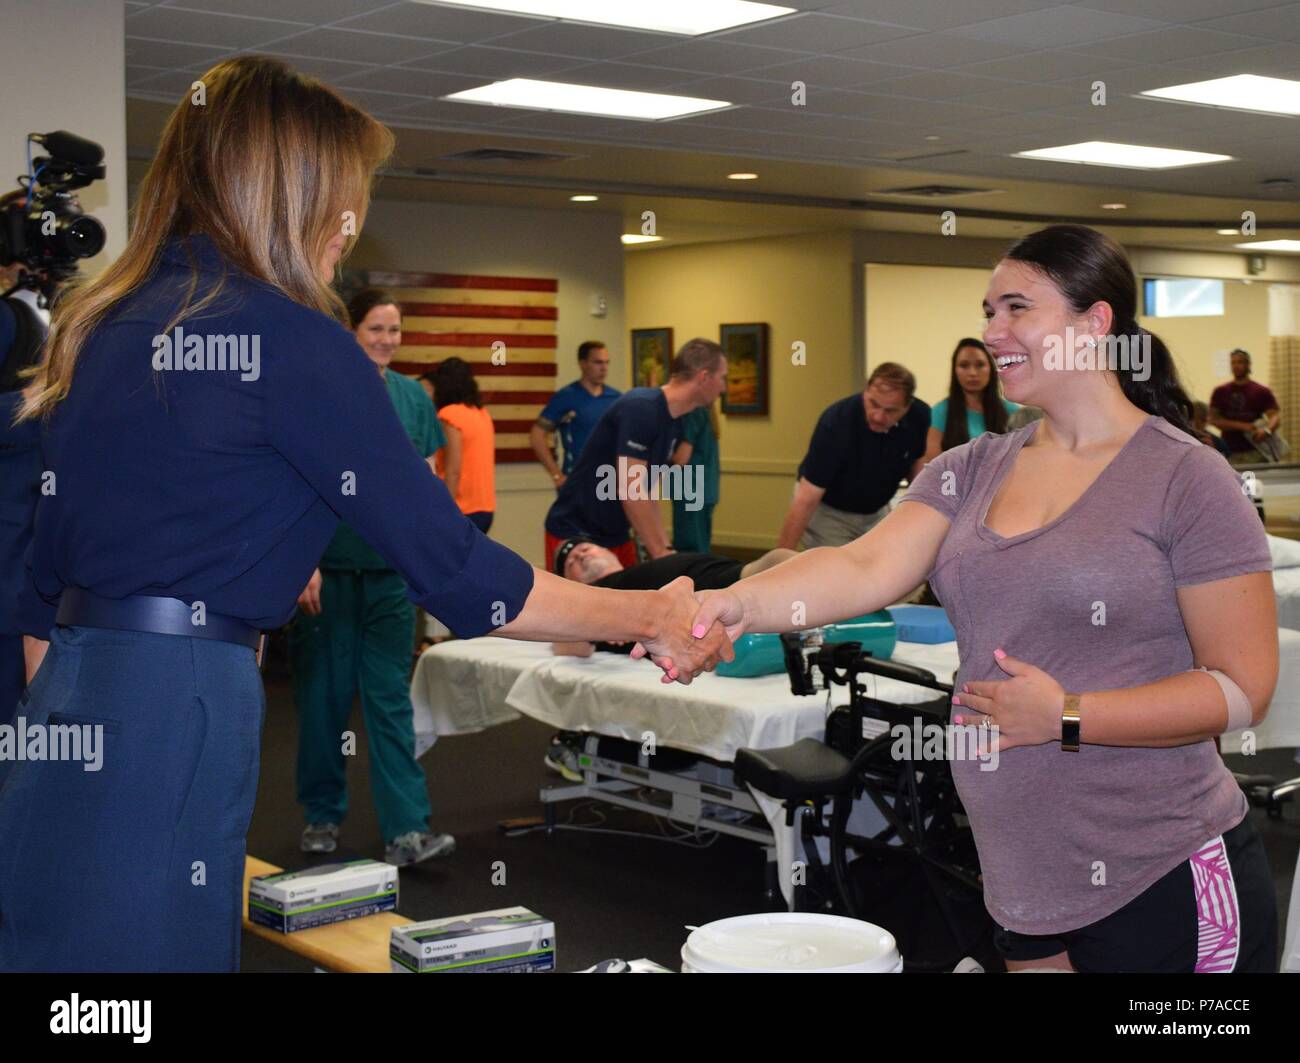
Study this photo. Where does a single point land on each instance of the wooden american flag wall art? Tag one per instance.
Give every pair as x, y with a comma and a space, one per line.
445, 314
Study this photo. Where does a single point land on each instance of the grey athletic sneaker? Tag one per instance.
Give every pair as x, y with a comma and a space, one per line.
416, 846
562, 757
320, 838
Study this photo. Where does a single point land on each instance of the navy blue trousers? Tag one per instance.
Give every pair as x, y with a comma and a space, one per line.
137, 866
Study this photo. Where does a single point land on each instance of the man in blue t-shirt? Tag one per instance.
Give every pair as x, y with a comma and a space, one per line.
574, 411
862, 447
624, 468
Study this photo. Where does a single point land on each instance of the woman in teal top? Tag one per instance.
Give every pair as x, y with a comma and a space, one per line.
974, 404
354, 633
698, 454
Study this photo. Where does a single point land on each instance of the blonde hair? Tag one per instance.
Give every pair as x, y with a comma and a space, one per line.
267, 166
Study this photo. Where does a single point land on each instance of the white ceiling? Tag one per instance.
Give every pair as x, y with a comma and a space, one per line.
948, 87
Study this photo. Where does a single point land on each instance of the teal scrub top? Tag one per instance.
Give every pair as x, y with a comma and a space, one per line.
698, 432
974, 418
415, 410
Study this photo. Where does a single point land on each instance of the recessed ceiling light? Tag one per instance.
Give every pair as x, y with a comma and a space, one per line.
1272, 245
742, 177
586, 99
583, 199
1242, 92
637, 238
1129, 156
1228, 232
690, 17
931, 137
1114, 206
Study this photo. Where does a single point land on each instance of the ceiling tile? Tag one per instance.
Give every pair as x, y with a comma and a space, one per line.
735, 90
583, 42
170, 86
330, 70
1274, 24
931, 14
140, 52
824, 71
494, 64
1047, 65
221, 31
137, 74
1173, 43
408, 80
1057, 27
1179, 11
715, 57
465, 114
376, 102
936, 51
359, 47
947, 85
461, 25
314, 12
626, 76
815, 33
1270, 60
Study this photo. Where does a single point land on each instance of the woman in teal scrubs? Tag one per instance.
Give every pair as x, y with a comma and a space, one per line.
974, 404
354, 632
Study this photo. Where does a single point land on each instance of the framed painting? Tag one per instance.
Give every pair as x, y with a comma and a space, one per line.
652, 355
748, 379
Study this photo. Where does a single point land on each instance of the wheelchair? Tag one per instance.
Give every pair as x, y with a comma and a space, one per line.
868, 752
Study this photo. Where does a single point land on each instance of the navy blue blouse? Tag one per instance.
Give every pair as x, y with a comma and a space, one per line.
214, 464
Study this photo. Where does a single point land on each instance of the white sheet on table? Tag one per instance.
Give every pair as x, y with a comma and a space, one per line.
713, 717
461, 687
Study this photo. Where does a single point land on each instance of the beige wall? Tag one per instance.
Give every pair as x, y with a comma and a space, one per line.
916, 314
63, 66
804, 288
1200, 345
581, 249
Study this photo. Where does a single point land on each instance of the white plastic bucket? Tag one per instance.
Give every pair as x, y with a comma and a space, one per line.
790, 943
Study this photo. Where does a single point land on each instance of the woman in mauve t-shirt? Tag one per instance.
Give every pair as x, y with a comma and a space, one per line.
1101, 552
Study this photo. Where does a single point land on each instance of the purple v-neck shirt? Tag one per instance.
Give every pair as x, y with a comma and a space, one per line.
1066, 839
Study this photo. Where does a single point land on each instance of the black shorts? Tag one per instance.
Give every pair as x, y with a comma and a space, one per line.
1213, 913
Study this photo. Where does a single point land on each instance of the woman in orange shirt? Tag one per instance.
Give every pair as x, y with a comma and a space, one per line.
468, 462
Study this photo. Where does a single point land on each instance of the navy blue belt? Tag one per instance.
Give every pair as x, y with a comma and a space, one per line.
161, 616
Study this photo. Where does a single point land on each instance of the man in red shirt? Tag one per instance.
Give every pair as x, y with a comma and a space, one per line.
1237, 405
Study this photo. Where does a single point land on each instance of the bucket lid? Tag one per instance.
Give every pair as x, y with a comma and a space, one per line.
791, 942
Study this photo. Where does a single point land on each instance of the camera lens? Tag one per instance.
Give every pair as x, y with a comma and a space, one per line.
83, 237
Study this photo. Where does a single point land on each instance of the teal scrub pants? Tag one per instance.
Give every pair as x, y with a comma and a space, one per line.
692, 530
362, 640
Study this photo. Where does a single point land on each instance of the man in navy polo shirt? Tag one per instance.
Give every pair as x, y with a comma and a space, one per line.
862, 447
620, 474
574, 411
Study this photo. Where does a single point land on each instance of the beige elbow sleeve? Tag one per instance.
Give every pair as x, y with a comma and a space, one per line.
1239, 710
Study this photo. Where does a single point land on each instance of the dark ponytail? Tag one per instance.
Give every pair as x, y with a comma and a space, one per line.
1089, 268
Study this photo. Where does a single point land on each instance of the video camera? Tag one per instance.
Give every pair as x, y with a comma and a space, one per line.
42, 225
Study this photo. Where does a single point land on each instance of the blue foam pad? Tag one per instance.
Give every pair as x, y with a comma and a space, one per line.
922, 623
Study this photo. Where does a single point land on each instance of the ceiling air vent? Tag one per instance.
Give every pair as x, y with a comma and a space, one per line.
503, 155
936, 191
